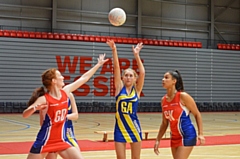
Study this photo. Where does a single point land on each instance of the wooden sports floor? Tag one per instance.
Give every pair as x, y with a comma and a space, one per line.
14, 128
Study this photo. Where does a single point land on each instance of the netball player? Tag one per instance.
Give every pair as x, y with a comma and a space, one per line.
176, 107
72, 115
52, 137
128, 89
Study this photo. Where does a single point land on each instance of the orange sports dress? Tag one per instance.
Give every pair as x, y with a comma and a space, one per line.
183, 132
52, 136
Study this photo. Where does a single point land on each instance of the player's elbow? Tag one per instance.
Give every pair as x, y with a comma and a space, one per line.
74, 116
142, 73
24, 115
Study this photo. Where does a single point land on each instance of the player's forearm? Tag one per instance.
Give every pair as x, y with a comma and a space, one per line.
199, 124
72, 116
29, 111
140, 64
162, 131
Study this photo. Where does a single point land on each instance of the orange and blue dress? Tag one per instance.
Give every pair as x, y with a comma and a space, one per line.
183, 132
52, 136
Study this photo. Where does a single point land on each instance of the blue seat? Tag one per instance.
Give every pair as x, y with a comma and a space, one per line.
236, 106
23, 106
101, 107
157, 107
206, 106
107, 107
151, 106
89, 107
16, 107
81, 106
211, 107
225, 106
95, 107
146, 107
2, 107
215, 105
200, 106
230, 106
143, 107
113, 107
140, 107
220, 106
8, 107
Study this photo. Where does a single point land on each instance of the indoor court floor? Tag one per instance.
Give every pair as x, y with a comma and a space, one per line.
221, 129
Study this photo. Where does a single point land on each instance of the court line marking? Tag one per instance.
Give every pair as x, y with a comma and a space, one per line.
27, 126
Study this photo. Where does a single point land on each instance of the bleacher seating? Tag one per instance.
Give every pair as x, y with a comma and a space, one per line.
89, 107
236, 106
228, 46
229, 106
214, 106
81, 107
140, 107
2, 107
8, 107
16, 108
101, 107
97, 38
26, 34
113, 107
107, 107
38, 35
23, 106
95, 107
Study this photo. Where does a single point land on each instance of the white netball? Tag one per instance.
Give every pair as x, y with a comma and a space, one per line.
117, 16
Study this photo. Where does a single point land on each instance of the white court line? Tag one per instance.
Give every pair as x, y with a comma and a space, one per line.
19, 123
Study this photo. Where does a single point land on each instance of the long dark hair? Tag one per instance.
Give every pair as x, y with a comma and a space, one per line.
36, 93
179, 84
47, 77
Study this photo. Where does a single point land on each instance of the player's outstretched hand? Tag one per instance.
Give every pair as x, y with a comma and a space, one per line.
111, 44
137, 49
101, 59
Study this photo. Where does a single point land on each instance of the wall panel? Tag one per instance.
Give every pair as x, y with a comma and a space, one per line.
209, 75
188, 19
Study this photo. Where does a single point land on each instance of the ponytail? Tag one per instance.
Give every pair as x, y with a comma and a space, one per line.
179, 84
36, 93
47, 77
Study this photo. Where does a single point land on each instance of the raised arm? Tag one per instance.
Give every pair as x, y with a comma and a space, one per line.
117, 72
140, 81
86, 76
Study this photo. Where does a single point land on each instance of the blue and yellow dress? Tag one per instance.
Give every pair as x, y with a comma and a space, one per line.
127, 126
70, 129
